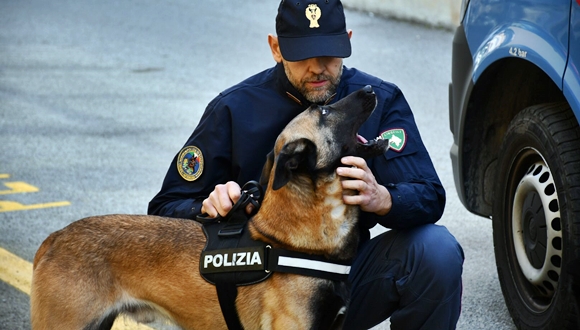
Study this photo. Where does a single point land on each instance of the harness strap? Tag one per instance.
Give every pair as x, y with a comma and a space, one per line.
236, 219
285, 261
227, 293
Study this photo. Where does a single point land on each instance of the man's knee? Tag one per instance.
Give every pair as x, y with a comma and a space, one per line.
415, 274
435, 262
436, 245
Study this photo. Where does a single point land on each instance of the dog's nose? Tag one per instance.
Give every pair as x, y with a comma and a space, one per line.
368, 89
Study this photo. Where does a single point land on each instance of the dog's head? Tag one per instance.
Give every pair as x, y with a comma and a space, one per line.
313, 143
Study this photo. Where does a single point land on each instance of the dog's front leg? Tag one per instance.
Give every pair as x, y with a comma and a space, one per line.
283, 302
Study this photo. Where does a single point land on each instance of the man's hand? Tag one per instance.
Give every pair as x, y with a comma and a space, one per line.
222, 199
372, 197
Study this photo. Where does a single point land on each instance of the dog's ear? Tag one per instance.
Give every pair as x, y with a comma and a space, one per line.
296, 157
267, 169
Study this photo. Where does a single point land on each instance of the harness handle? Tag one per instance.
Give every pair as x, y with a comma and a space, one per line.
251, 193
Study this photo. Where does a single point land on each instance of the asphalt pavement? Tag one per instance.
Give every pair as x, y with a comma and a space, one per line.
97, 97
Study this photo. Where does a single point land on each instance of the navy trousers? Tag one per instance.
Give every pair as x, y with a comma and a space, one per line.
412, 276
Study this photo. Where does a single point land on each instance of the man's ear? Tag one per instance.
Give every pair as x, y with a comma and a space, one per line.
275, 48
295, 158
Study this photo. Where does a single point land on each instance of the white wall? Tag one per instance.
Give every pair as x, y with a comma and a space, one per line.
440, 13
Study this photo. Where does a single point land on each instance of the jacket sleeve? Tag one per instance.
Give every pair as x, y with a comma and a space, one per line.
182, 198
406, 170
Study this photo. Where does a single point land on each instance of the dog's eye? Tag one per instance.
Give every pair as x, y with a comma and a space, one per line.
324, 111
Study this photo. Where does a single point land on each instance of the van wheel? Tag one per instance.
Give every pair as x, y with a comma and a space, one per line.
536, 217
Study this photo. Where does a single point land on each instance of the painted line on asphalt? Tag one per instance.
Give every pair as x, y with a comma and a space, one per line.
17, 272
18, 187
10, 206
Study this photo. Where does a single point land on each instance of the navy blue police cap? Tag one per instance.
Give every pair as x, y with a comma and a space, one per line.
312, 28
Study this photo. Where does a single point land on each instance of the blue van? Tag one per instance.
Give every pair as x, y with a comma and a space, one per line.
514, 109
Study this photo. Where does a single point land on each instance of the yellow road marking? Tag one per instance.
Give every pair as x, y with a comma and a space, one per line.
18, 273
15, 271
9, 206
18, 187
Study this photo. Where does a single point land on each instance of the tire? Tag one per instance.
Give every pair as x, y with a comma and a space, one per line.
536, 216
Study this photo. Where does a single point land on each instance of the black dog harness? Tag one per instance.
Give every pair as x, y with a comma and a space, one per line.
231, 258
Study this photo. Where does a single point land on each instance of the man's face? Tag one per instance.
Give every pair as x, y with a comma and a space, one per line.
315, 78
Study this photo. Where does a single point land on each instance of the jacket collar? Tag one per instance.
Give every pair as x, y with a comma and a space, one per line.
286, 88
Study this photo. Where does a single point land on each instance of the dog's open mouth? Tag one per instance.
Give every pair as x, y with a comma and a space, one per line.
362, 141
366, 148
379, 143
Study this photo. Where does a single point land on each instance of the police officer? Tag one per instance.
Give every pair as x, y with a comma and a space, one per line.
411, 273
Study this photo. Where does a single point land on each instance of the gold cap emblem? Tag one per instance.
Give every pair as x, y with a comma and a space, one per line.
313, 14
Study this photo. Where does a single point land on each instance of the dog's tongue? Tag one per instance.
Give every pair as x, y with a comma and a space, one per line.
361, 139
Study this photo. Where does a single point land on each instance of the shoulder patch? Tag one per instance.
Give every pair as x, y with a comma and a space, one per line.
190, 163
397, 138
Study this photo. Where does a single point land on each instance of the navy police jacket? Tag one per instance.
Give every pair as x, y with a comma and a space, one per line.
240, 126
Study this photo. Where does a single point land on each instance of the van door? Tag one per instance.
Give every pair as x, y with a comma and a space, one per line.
571, 81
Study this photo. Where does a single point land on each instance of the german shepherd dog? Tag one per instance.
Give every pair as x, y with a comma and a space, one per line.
147, 267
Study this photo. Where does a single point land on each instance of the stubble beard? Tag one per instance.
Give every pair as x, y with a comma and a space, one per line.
318, 94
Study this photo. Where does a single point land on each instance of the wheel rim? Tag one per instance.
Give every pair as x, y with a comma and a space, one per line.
537, 234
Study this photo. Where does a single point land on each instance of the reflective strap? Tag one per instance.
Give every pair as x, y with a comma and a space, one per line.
314, 265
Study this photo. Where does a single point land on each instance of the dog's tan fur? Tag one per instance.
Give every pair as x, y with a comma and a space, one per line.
148, 266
